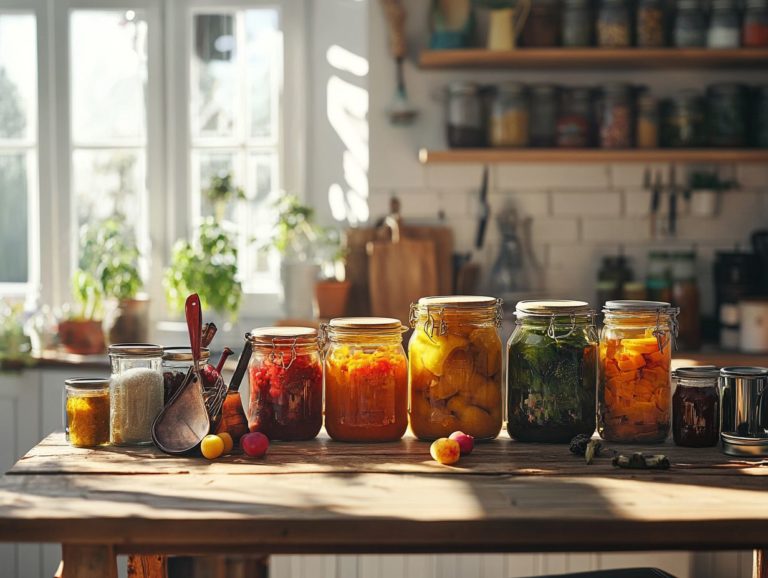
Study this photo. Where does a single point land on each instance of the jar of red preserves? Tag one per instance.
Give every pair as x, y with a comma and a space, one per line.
286, 383
696, 407
366, 380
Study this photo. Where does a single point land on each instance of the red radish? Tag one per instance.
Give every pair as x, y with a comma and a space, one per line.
254, 444
466, 442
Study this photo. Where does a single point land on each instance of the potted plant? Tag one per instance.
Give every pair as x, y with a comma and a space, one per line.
82, 332
220, 192
332, 289
15, 344
110, 254
208, 267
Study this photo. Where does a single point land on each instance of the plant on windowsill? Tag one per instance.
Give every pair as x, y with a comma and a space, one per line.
15, 344
82, 332
332, 289
207, 266
221, 192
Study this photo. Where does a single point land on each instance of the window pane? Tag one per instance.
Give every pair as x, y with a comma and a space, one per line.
214, 76
256, 219
18, 76
14, 218
264, 47
107, 183
109, 76
214, 164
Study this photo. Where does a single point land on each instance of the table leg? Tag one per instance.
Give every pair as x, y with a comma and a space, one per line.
760, 564
86, 561
147, 566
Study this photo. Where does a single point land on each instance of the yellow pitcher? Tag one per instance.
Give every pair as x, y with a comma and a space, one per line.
506, 24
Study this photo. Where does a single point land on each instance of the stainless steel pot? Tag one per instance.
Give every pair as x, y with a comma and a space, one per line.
744, 410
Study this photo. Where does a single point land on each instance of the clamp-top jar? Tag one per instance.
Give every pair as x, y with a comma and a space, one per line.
634, 371
696, 407
455, 367
366, 379
286, 383
552, 371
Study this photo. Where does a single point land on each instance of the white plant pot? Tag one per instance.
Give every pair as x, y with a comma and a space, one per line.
298, 288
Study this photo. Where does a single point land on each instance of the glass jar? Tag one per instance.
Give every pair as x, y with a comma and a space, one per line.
696, 407
647, 122
614, 272
727, 115
455, 367
616, 117
542, 28
465, 123
690, 25
86, 410
552, 372
177, 361
574, 122
634, 391
724, 25
685, 294
543, 126
136, 392
366, 380
509, 116
685, 121
613, 24
659, 278
577, 23
285, 377
755, 29
649, 25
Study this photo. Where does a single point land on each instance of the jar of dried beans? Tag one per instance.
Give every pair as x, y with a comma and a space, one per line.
650, 24
177, 361
634, 392
455, 367
616, 117
286, 383
366, 379
613, 24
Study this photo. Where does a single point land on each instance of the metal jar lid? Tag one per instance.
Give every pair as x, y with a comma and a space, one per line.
744, 372
87, 383
183, 354
637, 306
135, 350
708, 372
554, 307
744, 447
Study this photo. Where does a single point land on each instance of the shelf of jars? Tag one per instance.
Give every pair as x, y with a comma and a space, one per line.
589, 58
534, 155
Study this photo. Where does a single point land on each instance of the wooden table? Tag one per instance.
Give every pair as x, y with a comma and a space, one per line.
327, 497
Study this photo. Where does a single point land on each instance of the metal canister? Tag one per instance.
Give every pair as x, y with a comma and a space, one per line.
744, 410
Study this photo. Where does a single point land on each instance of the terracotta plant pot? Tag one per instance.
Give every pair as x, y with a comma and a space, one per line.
331, 299
82, 336
129, 322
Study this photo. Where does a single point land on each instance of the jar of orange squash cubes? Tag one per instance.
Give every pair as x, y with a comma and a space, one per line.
455, 367
634, 383
366, 379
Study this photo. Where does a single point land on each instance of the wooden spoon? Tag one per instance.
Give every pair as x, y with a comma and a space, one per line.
184, 422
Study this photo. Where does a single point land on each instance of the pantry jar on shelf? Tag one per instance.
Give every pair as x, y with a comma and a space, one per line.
366, 379
286, 383
455, 367
634, 391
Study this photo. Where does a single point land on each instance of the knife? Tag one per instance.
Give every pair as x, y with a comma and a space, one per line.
484, 211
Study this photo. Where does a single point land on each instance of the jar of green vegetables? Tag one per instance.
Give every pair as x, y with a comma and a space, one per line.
552, 372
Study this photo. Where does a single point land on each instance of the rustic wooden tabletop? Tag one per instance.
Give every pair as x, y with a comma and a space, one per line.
328, 497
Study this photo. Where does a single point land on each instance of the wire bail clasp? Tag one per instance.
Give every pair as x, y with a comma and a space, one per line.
273, 355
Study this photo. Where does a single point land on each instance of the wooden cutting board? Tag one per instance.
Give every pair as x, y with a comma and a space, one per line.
399, 273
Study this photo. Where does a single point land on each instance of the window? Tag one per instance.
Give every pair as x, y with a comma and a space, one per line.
18, 149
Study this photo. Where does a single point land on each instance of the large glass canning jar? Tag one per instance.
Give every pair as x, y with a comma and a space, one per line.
366, 380
634, 389
552, 372
455, 367
286, 383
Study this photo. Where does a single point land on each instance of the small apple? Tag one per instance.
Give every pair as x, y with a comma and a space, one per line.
255, 444
466, 442
445, 451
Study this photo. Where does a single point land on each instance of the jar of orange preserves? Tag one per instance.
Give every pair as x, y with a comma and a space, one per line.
634, 379
455, 367
366, 379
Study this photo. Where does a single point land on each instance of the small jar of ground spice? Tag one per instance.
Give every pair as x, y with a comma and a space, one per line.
616, 117
647, 132
613, 24
87, 411
649, 24
755, 28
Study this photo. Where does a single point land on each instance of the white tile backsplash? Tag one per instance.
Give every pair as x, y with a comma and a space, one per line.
573, 204
547, 176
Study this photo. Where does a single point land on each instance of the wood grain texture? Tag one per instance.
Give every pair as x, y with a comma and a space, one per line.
88, 561
760, 564
147, 566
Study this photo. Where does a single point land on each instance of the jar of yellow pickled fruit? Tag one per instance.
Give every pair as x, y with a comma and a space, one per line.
634, 379
366, 379
86, 411
455, 367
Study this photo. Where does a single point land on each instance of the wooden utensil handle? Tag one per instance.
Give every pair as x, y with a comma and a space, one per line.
242, 366
194, 315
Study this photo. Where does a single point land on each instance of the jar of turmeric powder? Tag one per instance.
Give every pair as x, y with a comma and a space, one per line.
455, 367
366, 379
86, 408
634, 379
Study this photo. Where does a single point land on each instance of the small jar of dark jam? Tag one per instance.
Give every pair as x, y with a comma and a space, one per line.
696, 407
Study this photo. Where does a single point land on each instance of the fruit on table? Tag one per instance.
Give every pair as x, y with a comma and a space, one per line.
228, 441
255, 444
212, 447
466, 442
635, 389
455, 383
445, 451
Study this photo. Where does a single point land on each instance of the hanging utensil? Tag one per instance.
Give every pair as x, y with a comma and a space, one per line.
233, 419
401, 112
184, 421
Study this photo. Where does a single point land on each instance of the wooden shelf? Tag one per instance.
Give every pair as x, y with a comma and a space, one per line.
500, 155
584, 58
